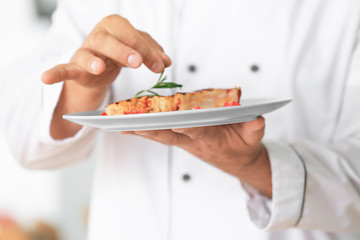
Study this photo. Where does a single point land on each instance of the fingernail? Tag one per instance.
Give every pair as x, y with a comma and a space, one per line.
134, 60
95, 65
46, 78
178, 130
154, 66
157, 67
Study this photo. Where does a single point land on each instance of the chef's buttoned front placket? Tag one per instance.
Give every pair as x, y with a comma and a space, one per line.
196, 197
250, 66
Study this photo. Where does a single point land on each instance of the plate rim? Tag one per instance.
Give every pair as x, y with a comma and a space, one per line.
80, 115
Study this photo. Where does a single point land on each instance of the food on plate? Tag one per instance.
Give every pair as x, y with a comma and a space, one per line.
206, 98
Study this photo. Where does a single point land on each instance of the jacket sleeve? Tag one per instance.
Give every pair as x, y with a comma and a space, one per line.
316, 184
27, 104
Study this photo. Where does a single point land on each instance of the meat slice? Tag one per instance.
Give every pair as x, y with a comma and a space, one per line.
206, 98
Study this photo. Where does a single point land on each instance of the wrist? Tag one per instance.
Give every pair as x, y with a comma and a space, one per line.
74, 98
257, 172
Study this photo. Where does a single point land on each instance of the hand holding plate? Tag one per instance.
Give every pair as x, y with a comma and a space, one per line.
235, 148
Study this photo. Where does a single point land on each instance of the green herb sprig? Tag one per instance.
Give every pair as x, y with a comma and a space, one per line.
160, 84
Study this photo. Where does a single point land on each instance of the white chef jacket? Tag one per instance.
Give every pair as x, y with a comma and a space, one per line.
303, 49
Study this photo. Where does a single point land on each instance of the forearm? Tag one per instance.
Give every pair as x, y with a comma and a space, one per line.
74, 98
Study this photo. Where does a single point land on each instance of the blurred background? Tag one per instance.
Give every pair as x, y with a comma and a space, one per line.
41, 205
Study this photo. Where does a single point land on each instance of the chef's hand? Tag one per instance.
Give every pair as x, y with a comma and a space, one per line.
114, 43
235, 148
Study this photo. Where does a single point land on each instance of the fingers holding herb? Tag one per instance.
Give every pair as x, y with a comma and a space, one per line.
113, 43
156, 46
160, 84
122, 30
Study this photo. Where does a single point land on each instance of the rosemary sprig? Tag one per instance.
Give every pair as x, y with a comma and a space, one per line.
160, 84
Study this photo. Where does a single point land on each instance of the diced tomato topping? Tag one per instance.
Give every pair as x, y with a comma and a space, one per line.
103, 114
196, 107
135, 111
178, 101
233, 103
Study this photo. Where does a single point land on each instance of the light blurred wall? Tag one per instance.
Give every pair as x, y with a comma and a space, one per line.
59, 196
24, 194
21, 29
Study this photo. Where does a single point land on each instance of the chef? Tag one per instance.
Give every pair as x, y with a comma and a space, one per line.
293, 173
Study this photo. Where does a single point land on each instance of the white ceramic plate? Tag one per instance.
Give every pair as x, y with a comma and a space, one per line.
249, 110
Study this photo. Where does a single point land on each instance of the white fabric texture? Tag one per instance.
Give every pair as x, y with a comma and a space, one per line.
305, 49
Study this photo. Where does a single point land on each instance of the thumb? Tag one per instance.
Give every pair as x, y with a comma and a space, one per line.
61, 73
253, 131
